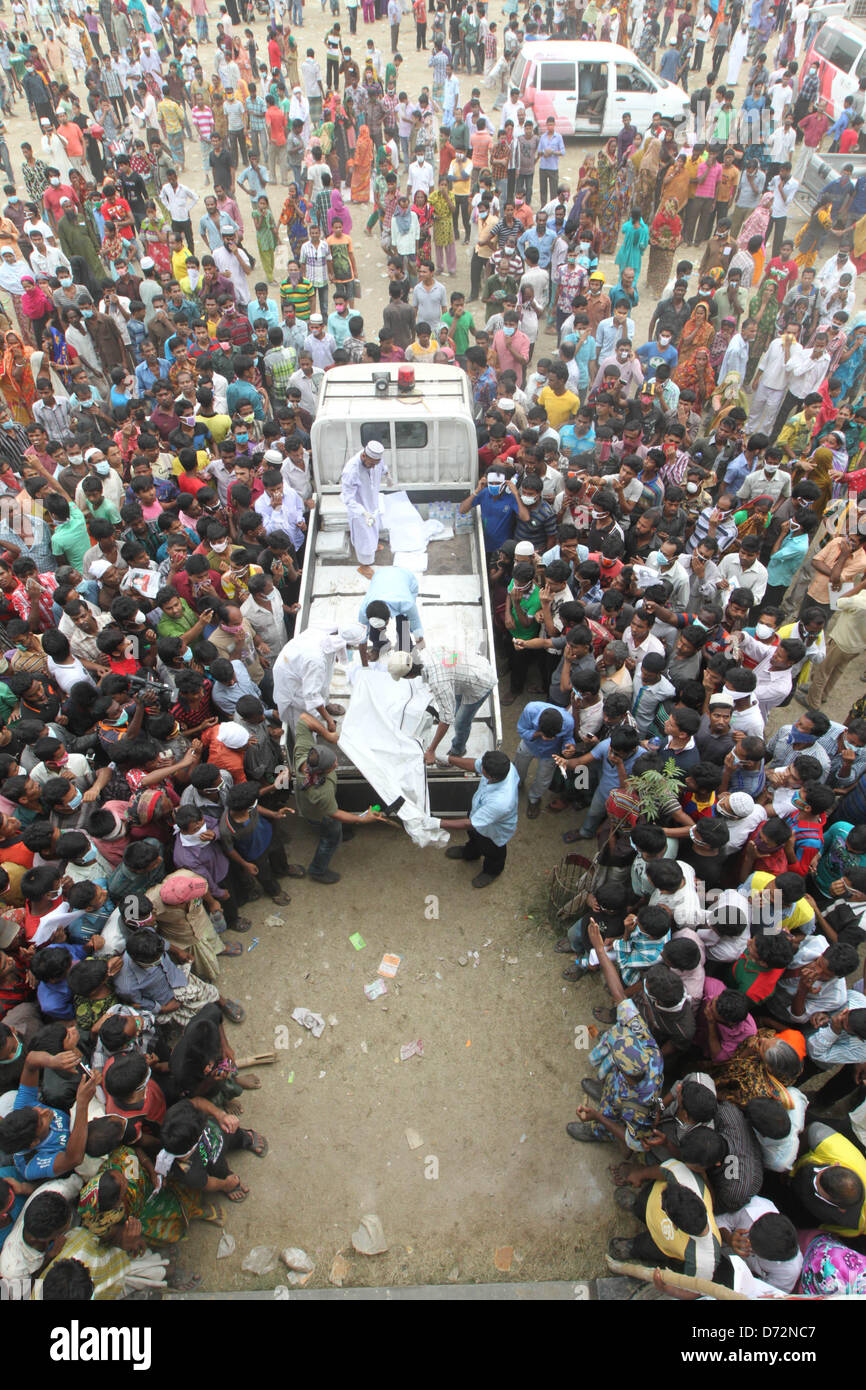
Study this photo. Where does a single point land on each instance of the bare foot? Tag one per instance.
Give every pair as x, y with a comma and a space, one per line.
248, 1081
366, 570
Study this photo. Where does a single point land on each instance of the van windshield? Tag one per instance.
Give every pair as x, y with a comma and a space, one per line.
837, 48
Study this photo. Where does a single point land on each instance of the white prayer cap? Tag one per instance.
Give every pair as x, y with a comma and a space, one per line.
374, 449
741, 803
399, 664
91, 453
146, 263
316, 319
99, 567
233, 736
273, 456
523, 550
721, 698
506, 403
353, 634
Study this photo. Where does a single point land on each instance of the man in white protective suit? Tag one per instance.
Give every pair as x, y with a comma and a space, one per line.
304, 669
361, 479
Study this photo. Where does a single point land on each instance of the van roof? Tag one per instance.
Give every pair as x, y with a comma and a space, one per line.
573, 48
442, 389
855, 31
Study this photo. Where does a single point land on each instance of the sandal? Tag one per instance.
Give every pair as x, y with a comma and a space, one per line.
572, 837
238, 1194
232, 948
564, 947
241, 925
295, 871
233, 1011
258, 1143
249, 1083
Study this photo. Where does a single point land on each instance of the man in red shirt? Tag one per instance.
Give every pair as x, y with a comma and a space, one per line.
117, 211
53, 194
785, 268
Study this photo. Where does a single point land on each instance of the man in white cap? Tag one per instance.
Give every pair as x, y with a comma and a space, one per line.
303, 672
360, 481
741, 815
459, 683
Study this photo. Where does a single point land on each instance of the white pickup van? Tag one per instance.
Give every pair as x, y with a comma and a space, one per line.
432, 455
586, 87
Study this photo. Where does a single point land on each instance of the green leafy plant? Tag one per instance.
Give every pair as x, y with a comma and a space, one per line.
655, 789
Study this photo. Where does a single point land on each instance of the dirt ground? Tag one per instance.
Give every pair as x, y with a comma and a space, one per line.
500, 1075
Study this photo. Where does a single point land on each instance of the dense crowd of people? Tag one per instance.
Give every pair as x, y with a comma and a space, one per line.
675, 548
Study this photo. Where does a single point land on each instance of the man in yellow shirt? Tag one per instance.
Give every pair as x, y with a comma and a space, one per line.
560, 404
677, 1210
171, 120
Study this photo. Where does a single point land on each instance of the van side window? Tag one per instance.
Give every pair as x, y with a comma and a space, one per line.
556, 77
630, 79
837, 48
860, 70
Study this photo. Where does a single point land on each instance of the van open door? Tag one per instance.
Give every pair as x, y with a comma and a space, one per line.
592, 96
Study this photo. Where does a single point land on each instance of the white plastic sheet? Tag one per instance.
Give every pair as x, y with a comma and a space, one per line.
381, 735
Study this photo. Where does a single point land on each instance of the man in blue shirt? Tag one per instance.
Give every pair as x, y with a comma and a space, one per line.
492, 818
39, 1138
153, 369
263, 308
544, 730
614, 757
499, 504
662, 350
541, 238
393, 593
551, 149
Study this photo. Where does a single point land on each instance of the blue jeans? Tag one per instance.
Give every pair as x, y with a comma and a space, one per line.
330, 839
465, 712
201, 28
595, 815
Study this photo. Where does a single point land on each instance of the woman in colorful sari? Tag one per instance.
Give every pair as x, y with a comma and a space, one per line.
697, 333
16, 379
423, 211
756, 223
817, 469
443, 206
12, 271
725, 397
58, 354
666, 233
831, 1269
295, 217
37, 308
696, 374
763, 309
121, 1206
338, 209
764, 1065
849, 368
647, 176
154, 235
810, 236
608, 197
675, 183
362, 165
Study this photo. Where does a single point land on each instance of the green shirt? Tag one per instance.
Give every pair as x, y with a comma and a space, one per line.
70, 538
314, 803
461, 330
530, 603
176, 627
106, 510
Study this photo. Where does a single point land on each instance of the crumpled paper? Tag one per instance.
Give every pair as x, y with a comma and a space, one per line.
308, 1019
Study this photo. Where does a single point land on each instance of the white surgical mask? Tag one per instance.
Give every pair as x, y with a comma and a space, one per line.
219, 546
691, 488
763, 631
528, 498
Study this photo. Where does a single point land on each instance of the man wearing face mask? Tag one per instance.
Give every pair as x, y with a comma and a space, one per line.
659, 350
497, 498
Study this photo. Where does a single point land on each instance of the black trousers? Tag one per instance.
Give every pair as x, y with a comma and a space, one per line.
185, 230
461, 209
480, 847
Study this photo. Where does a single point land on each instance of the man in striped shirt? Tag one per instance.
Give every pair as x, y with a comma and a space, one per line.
459, 683
202, 118
255, 108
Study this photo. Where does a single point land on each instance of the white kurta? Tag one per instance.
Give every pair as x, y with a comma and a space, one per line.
360, 491
302, 675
